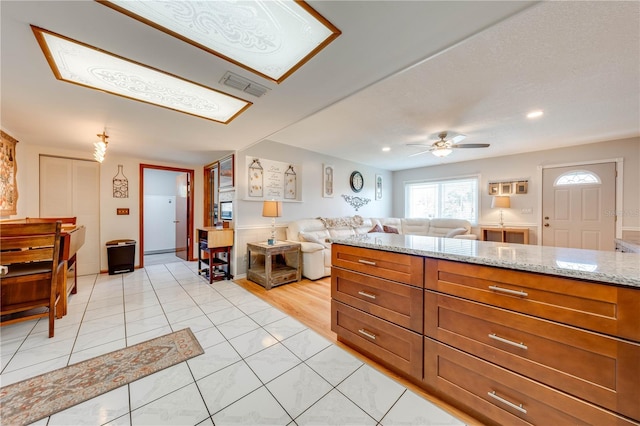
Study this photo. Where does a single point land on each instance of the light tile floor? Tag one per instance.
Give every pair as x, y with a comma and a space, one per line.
260, 366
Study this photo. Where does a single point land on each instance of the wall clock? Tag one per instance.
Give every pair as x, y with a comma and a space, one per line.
356, 181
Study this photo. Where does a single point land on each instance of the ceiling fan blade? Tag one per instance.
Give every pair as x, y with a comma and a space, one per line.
420, 145
419, 153
457, 138
471, 145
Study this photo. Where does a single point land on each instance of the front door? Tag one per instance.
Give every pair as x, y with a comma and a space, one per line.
182, 214
578, 206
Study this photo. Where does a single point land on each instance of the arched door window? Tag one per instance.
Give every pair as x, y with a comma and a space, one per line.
577, 177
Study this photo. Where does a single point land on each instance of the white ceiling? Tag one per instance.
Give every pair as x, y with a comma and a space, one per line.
400, 72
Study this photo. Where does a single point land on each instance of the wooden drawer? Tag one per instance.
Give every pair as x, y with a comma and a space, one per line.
396, 347
398, 303
499, 396
403, 268
598, 307
601, 369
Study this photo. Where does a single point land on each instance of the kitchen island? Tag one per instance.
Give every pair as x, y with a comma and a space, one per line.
511, 334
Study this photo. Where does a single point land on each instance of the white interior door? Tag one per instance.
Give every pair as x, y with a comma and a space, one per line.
578, 205
71, 187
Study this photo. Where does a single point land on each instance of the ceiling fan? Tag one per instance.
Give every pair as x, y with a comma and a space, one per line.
444, 146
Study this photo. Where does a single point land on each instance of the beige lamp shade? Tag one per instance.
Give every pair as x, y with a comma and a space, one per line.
501, 202
272, 209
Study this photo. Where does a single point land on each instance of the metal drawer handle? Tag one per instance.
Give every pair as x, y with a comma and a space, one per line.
507, 291
505, 402
369, 295
367, 262
368, 334
508, 342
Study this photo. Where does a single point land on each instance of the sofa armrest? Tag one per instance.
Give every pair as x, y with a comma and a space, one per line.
307, 247
467, 237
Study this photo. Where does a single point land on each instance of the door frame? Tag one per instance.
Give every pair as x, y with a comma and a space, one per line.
619, 185
190, 231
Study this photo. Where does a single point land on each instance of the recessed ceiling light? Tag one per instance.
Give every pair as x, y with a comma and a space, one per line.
535, 114
88, 66
386, 149
269, 38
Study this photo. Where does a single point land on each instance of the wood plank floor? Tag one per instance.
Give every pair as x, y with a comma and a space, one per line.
310, 303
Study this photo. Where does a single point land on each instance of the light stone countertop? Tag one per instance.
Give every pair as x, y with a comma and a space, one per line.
604, 266
631, 246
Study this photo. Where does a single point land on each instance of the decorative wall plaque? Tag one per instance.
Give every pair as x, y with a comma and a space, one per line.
120, 184
8, 170
356, 202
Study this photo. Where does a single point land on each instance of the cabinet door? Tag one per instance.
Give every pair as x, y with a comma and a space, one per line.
71, 187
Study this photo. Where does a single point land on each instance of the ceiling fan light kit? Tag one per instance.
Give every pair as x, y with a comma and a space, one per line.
443, 147
441, 152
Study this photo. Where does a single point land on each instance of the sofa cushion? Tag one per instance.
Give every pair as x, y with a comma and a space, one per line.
416, 226
377, 228
341, 232
440, 227
305, 225
315, 237
390, 229
456, 231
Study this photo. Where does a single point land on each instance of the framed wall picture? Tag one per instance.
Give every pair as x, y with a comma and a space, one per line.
226, 172
505, 188
521, 187
379, 183
327, 180
494, 188
8, 170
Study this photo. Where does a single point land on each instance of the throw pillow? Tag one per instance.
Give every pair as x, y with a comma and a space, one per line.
390, 229
456, 231
310, 238
376, 228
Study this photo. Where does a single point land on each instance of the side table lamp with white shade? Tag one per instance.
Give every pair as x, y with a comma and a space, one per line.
501, 202
272, 209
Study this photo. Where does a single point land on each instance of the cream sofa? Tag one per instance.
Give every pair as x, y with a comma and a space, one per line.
314, 235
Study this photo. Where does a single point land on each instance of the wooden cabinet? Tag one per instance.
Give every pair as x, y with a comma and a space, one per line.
506, 346
557, 350
505, 235
377, 305
214, 252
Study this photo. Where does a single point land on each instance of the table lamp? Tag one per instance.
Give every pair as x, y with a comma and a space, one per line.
272, 209
501, 202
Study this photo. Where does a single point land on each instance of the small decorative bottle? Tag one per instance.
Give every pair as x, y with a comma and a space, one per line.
290, 184
120, 184
256, 176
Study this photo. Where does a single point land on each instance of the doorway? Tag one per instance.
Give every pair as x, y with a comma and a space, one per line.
578, 206
166, 211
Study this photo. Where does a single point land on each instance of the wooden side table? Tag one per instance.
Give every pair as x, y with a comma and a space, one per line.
505, 235
214, 243
274, 271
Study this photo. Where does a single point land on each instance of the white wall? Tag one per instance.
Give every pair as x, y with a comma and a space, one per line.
527, 166
112, 226
251, 226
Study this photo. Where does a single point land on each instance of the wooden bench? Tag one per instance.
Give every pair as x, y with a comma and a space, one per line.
30, 252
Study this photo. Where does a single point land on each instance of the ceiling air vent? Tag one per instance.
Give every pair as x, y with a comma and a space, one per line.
251, 87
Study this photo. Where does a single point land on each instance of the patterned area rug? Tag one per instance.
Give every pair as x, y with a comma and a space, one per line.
41, 396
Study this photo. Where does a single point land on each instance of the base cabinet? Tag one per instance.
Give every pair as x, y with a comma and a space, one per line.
508, 347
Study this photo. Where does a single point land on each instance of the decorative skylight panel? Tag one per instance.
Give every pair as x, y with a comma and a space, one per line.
270, 38
87, 66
